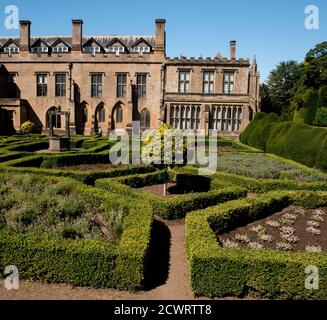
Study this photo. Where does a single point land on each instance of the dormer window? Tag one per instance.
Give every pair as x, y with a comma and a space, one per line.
60, 46
60, 49
141, 50
11, 49
141, 46
39, 46
116, 49
116, 46
40, 49
92, 46
90, 49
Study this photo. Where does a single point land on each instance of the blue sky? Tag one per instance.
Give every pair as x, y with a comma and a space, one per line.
272, 29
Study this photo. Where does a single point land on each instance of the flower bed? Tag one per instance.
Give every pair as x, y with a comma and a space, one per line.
218, 271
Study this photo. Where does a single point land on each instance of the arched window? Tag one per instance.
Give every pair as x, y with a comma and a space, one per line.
229, 119
176, 117
218, 118
239, 118
145, 118
188, 118
171, 116
193, 115
223, 124
119, 114
182, 126
198, 117
101, 114
84, 115
55, 118
234, 126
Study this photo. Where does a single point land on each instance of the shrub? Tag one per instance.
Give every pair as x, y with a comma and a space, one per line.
218, 272
321, 117
178, 207
299, 142
89, 262
27, 127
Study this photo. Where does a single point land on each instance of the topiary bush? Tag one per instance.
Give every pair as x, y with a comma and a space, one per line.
300, 142
27, 127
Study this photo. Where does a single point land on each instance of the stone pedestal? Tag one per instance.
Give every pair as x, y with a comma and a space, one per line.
59, 144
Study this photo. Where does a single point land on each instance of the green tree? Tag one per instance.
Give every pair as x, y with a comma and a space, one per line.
282, 84
315, 67
266, 104
165, 148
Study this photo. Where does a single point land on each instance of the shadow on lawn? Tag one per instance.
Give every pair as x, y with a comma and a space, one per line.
158, 266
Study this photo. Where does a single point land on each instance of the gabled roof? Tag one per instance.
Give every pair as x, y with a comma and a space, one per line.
115, 40
104, 41
140, 40
9, 42
38, 42
89, 41
60, 40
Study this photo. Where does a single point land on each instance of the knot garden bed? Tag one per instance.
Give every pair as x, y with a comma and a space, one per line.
217, 271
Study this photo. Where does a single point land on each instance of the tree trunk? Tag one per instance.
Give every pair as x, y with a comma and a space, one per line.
165, 183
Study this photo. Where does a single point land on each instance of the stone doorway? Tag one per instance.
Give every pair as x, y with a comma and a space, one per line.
6, 122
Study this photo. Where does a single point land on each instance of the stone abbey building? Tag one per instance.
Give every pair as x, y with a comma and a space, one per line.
106, 82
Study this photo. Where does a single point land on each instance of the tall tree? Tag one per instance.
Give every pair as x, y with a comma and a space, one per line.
315, 66
282, 83
266, 104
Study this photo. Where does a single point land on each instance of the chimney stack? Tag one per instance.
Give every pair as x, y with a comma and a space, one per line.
77, 35
232, 47
25, 35
160, 42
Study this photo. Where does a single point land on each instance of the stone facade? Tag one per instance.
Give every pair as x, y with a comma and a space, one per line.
109, 81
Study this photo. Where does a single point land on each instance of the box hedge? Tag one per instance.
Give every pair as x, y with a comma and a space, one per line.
91, 263
171, 208
297, 141
219, 272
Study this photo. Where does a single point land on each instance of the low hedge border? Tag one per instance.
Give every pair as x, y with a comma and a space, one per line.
11, 156
218, 272
88, 176
173, 208
30, 146
221, 179
86, 262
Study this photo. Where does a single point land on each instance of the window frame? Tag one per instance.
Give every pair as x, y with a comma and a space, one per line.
229, 82
60, 84
41, 87
184, 83
96, 85
141, 85
121, 86
210, 82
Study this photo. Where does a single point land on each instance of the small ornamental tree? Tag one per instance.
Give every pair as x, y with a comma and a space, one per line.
27, 127
165, 148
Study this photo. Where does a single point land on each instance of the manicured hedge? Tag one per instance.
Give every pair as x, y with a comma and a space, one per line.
297, 141
92, 263
66, 160
222, 179
10, 156
87, 176
171, 208
30, 146
178, 207
218, 272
